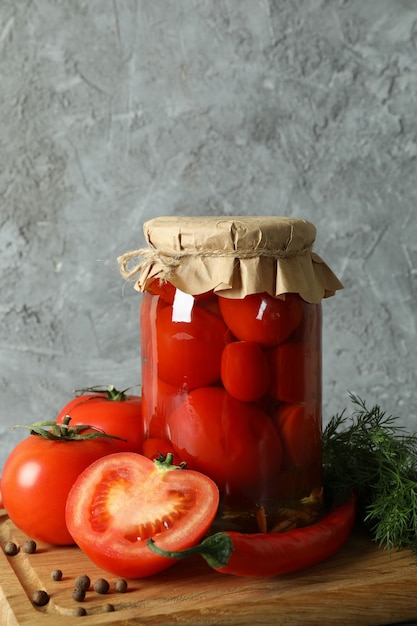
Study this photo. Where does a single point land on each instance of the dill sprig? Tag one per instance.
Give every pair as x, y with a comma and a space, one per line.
374, 455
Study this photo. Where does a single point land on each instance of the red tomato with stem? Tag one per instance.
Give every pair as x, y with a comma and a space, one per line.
115, 412
299, 427
262, 318
234, 443
37, 477
121, 501
189, 345
245, 371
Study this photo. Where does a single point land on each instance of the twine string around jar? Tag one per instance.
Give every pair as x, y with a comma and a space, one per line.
169, 261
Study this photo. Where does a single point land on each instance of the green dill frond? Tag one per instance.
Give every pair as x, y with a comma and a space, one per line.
374, 455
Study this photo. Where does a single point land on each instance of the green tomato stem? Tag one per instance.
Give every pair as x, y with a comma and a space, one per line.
112, 394
64, 432
166, 463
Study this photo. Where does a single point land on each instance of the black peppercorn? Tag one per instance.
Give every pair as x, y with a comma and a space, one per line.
56, 574
78, 594
40, 598
29, 546
79, 611
11, 549
83, 582
101, 585
120, 585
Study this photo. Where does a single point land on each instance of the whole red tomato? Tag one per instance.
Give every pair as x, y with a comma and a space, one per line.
37, 477
235, 443
295, 372
158, 401
165, 290
299, 426
309, 330
122, 500
189, 345
115, 412
262, 318
245, 370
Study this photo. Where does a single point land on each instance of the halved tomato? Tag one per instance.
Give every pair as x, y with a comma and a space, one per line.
116, 506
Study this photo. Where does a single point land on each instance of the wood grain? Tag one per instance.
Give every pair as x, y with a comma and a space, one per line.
360, 586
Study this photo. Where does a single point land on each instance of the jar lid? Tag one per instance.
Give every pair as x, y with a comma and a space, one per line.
234, 256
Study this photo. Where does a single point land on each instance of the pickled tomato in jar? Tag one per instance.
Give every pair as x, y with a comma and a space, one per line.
232, 362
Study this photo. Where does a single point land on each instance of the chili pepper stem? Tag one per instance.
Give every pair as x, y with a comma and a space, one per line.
216, 550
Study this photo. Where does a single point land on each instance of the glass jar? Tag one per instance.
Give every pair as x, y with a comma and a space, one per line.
231, 328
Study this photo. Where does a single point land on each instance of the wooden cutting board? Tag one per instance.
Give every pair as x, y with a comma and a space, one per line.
361, 585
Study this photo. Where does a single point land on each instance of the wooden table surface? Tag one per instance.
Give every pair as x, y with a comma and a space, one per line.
361, 585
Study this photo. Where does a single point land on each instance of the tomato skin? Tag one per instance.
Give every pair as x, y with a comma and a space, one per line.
309, 329
245, 371
296, 372
189, 352
300, 434
158, 401
262, 318
121, 418
234, 443
164, 290
176, 506
36, 479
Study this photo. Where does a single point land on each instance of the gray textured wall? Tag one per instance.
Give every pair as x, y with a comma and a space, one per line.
112, 112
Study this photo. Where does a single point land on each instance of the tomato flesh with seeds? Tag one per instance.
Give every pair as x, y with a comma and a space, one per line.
117, 505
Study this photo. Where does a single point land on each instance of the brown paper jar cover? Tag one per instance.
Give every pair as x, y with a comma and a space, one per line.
233, 256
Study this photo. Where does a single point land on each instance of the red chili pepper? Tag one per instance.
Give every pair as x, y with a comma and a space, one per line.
274, 554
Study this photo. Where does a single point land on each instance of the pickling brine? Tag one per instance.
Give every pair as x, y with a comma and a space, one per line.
233, 387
